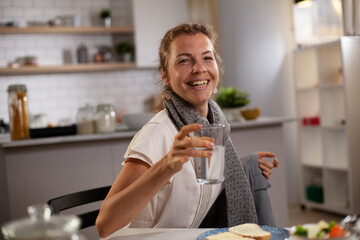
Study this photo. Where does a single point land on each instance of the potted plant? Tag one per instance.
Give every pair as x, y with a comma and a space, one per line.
105, 16
125, 51
231, 100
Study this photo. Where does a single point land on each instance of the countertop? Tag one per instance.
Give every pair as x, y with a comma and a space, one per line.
6, 142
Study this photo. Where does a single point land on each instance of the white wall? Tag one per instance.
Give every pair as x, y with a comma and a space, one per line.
256, 42
152, 19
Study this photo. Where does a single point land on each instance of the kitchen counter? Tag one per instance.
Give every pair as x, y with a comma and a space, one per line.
35, 170
7, 143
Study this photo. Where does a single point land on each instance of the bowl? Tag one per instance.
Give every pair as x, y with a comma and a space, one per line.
251, 113
135, 121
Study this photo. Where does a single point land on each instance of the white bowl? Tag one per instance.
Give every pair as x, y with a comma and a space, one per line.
135, 121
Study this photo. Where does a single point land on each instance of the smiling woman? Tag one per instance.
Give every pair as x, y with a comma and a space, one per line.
157, 186
192, 70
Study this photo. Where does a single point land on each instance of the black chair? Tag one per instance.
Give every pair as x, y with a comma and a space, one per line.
80, 198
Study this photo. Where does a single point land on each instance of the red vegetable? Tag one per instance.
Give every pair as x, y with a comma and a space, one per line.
336, 231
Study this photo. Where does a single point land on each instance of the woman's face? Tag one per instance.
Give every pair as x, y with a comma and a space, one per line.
192, 69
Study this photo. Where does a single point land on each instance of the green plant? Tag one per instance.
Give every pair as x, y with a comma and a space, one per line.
231, 97
124, 47
105, 13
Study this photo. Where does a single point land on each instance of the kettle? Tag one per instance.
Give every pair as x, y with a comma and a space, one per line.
41, 225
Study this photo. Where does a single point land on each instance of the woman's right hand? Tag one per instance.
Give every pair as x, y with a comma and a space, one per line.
183, 147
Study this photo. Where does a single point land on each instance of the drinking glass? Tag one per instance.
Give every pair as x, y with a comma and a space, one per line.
210, 170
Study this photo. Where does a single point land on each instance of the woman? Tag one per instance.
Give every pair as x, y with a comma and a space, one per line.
157, 185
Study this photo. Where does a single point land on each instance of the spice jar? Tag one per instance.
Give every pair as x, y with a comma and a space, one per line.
82, 54
18, 112
85, 120
106, 118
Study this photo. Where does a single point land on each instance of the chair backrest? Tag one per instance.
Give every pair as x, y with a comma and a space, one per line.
80, 198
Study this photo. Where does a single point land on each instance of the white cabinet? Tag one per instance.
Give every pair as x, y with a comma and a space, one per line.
152, 18
325, 164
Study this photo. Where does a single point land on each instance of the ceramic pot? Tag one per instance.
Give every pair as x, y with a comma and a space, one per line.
233, 114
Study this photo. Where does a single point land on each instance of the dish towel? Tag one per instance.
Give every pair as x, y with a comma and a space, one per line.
239, 200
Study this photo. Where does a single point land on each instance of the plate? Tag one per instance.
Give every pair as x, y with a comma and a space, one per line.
276, 233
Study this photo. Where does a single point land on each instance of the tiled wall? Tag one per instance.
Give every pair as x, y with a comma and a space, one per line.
60, 95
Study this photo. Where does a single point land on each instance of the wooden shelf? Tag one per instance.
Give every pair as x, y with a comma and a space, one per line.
65, 30
68, 68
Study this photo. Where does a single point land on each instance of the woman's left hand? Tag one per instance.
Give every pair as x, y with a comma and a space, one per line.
265, 165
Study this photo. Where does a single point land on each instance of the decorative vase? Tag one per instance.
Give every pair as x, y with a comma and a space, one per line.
233, 114
125, 57
107, 22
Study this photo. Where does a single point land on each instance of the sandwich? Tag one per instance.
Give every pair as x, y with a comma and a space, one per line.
227, 236
250, 230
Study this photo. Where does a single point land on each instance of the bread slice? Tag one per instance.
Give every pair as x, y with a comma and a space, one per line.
226, 236
251, 230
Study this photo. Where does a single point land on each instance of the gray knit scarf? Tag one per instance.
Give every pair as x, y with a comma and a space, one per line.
240, 204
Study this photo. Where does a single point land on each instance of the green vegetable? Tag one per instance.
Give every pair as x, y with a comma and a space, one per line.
320, 234
301, 231
331, 224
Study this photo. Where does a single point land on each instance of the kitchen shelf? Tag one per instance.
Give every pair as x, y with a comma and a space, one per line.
66, 30
68, 68
328, 89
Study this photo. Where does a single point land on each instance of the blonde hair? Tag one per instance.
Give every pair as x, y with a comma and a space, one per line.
191, 29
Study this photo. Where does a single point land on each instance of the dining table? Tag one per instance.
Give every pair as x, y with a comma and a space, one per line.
157, 234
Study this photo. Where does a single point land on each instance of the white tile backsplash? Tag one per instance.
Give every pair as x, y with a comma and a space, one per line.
60, 95
42, 3
5, 3
22, 3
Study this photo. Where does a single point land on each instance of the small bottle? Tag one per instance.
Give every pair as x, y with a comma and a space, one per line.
18, 112
82, 54
85, 120
106, 118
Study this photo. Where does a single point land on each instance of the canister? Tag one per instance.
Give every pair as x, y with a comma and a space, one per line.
106, 118
18, 111
85, 120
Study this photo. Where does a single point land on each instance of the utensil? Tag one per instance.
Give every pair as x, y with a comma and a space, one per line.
345, 223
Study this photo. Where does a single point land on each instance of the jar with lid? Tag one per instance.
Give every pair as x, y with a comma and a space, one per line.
82, 54
42, 225
18, 111
85, 120
106, 118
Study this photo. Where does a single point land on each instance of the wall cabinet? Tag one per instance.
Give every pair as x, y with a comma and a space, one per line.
91, 67
323, 134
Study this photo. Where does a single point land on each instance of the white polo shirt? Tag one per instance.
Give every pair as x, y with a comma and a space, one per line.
182, 202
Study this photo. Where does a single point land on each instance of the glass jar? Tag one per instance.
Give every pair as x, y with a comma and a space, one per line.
42, 225
18, 112
106, 118
82, 54
85, 120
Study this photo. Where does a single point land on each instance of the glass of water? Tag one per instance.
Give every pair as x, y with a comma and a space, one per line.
211, 170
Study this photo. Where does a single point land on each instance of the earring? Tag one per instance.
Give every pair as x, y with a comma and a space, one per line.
215, 91
167, 95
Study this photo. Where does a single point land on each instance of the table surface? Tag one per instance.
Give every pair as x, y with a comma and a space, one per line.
157, 234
